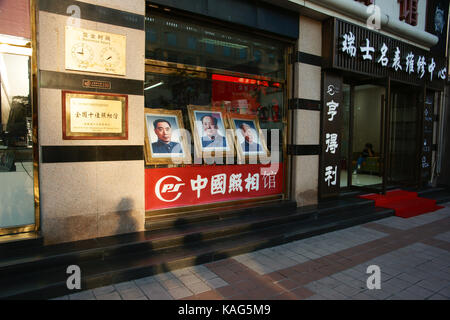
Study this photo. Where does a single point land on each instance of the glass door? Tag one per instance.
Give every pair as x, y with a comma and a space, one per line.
366, 151
403, 148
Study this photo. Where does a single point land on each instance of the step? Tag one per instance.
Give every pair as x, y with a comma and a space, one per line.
441, 195
12, 244
173, 220
51, 282
156, 240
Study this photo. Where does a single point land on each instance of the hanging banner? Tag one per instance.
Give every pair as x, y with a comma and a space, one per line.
195, 185
332, 98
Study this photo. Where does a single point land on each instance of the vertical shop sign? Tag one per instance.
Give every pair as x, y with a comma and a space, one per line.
426, 154
331, 123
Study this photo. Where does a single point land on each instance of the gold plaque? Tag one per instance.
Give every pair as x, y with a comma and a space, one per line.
94, 116
95, 51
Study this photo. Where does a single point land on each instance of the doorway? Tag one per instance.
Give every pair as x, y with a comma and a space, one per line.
363, 137
373, 127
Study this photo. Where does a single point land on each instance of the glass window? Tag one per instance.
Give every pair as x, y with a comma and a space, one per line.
16, 156
175, 89
212, 47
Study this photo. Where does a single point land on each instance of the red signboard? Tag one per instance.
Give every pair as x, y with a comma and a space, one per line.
194, 185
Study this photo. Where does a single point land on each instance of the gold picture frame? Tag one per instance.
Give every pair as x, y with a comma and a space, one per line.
222, 144
177, 150
246, 128
94, 116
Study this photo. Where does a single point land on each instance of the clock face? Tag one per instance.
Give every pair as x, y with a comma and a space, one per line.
109, 57
82, 53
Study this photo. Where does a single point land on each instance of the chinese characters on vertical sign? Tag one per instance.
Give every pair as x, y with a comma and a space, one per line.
426, 154
331, 123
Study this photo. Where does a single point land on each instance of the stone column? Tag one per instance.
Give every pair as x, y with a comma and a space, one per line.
99, 189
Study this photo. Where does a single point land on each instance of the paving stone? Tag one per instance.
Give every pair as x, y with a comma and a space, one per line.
445, 292
433, 285
83, 295
155, 291
329, 282
145, 280
409, 278
123, 286
104, 290
164, 276
378, 294
419, 291
198, 287
348, 291
189, 279
180, 293
132, 294
397, 283
172, 283
316, 297
61, 298
362, 296
216, 283
438, 296
109, 296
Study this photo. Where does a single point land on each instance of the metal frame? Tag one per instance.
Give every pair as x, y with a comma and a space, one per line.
34, 103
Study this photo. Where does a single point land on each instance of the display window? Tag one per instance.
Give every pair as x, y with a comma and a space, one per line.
219, 97
17, 213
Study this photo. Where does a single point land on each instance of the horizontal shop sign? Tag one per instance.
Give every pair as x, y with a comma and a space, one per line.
357, 49
196, 185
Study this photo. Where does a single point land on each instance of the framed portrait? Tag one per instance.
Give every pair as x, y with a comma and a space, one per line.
209, 130
249, 138
165, 138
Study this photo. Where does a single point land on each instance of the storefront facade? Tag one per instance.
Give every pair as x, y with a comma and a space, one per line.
163, 107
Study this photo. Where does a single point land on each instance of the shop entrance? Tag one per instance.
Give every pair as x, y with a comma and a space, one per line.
380, 137
363, 137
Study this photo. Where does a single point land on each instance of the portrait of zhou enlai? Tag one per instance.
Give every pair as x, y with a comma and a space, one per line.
212, 130
161, 132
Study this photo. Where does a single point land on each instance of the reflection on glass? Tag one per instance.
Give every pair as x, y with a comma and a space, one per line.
403, 137
366, 163
181, 41
345, 135
235, 95
16, 160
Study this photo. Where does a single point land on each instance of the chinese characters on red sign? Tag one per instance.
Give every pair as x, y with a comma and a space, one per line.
175, 187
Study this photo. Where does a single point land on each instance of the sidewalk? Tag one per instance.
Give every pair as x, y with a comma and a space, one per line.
413, 255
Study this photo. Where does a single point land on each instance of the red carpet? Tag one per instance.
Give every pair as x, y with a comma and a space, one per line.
406, 204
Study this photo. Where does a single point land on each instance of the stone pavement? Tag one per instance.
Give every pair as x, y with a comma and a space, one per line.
413, 255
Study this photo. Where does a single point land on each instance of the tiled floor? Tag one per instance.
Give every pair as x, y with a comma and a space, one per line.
412, 254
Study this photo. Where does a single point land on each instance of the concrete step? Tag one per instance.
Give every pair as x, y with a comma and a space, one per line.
50, 279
